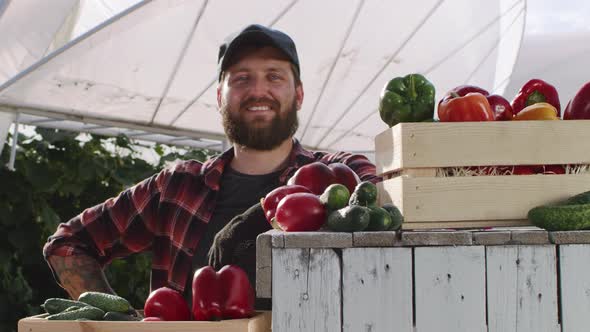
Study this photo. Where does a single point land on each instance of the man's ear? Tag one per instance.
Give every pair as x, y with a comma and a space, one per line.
219, 95
299, 95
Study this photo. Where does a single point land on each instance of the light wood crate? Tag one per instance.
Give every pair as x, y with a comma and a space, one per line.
261, 322
408, 155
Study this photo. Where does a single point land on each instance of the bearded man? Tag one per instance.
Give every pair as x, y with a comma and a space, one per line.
190, 209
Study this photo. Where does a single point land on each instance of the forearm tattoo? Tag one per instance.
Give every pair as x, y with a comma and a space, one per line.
79, 274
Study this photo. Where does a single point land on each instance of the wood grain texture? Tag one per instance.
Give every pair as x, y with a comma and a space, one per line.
575, 287
464, 224
522, 288
259, 323
306, 290
452, 199
317, 239
570, 237
450, 289
264, 265
377, 289
448, 144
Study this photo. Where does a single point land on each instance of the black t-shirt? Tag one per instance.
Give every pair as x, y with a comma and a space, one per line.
237, 192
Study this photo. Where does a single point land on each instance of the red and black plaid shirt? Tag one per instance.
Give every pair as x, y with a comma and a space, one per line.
167, 214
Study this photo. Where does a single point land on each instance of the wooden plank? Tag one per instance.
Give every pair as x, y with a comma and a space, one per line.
450, 238
477, 197
264, 265
259, 323
411, 145
376, 239
575, 287
277, 238
419, 172
491, 238
388, 148
538, 236
466, 224
306, 290
317, 240
377, 289
570, 237
450, 289
522, 288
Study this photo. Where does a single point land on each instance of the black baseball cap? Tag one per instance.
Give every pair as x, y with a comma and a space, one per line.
256, 35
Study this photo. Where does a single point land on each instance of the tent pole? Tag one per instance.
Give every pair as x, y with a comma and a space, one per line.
14, 141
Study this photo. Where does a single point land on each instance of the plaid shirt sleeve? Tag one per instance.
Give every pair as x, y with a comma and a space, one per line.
364, 168
118, 227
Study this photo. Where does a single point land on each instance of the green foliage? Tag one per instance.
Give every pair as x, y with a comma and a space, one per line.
57, 176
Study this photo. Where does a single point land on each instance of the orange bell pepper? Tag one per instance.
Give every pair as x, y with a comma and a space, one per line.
538, 111
472, 107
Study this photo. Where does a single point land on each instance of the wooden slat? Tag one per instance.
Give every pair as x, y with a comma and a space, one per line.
477, 197
264, 265
411, 145
436, 238
306, 290
570, 237
522, 288
575, 287
317, 239
376, 239
377, 289
465, 224
259, 323
450, 289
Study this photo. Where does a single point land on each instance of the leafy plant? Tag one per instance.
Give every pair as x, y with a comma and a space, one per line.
57, 176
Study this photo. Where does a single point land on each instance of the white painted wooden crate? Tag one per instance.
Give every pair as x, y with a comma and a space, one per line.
526, 281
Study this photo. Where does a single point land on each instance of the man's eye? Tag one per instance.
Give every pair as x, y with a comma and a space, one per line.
275, 77
242, 78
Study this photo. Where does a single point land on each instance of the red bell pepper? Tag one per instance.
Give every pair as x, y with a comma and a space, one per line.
226, 294
345, 175
536, 91
579, 106
315, 176
166, 304
272, 199
499, 105
300, 212
472, 107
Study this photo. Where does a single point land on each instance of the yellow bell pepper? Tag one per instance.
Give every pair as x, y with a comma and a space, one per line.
538, 111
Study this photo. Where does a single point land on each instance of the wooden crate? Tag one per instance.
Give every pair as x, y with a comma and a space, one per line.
427, 281
261, 322
409, 154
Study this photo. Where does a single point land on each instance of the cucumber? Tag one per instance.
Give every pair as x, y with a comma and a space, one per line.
583, 198
57, 305
353, 218
87, 312
119, 316
105, 302
561, 217
364, 194
396, 216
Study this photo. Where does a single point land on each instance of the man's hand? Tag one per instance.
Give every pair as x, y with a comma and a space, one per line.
236, 242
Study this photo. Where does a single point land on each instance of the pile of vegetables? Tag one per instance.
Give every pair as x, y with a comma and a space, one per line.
411, 99
330, 197
226, 294
90, 306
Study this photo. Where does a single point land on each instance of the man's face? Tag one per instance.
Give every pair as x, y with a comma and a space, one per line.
258, 99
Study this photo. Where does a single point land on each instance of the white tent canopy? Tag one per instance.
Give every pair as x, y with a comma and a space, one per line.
150, 71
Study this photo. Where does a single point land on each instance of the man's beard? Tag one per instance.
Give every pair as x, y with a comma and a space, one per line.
280, 128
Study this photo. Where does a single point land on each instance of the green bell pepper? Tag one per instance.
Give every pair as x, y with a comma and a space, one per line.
407, 99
